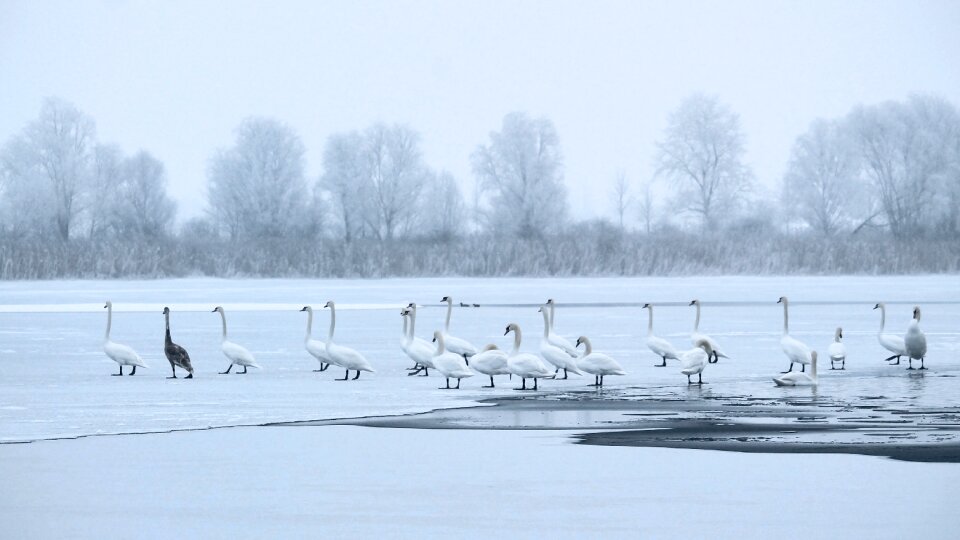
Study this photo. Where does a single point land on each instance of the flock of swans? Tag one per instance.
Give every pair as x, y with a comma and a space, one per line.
456, 358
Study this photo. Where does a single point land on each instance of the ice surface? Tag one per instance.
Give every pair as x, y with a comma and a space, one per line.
56, 380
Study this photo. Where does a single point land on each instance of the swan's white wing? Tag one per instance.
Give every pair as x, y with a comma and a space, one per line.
493, 362
693, 361
122, 354
349, 358
892, 343
458, 346
452, 365
238, 355
557, 357
915, 341
601, 364
796, 350
318, 350
837, 351
662, 347
527, 365
421, 352
563, 343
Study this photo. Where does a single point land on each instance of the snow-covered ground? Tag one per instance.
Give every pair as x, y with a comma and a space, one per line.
56, 380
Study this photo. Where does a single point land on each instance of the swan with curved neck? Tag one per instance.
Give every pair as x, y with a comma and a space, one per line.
694, 361
235, 353
525, 365
837, 350
553, 354
915, 340
795, 350
798, 378
448, 363
556, 339
316, 348
890, 342
660, 347
597, 364
344, 357
417, 349
490, 361
453, 343
176, 355
121, 354
696, 336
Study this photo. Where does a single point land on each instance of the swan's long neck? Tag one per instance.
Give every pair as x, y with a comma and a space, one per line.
446, 325
786, 318
516, 341
587, 347
696, 324
333, 324
546, 324
166, 317
551, 314
406, 327
106, 336
309, 325
883, 317
413, 321
223, 319
650, 322
440, 346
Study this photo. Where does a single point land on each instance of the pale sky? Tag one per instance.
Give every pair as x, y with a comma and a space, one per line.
176, 77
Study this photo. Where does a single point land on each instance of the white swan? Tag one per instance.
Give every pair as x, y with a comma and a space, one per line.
694, 361
558, 340
915, 340
658, 345
553, 354
889, 342
449, 364
797, 352
525, 365
121, 354
490, 361
416, 348
597, 364
344, 357
837, 350
696, 336
453, 343
235, 353
796, 378
316, 348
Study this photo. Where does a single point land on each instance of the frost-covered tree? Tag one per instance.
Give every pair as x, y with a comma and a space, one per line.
822, 180
106, 178
645, 206
396, 177
522, 171
702, 153
444, 209
47, 166
143, 207
345, 180
256, 189
621, 198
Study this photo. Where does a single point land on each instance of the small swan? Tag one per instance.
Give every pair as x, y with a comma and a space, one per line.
121, 354
176, 355
597, 364
696, 336
558, 340
490, 361
796, 351
553, 354
525, 365
455, 344
416, 348
317, 349
798, 378
658, 345
448, 363
915, 340
889, 342
837, 350
235, 353
344, 357
695, 360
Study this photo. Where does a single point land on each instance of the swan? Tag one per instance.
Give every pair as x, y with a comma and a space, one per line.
317, 349
235, 353
915, 340
558, 340
696, 336
121, 354
455, 344
890, 342
176, 355
658, 345
837, 350
403, 341
448, 363
597, 364
417, 349
344, 357
553, 354
695, 360
798, 378
797, 352
525, 365
490, 361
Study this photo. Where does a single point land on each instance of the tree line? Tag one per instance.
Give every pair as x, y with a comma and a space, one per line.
876, 191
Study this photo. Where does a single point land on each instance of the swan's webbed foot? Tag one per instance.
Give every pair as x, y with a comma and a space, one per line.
190, 376
564, 374
228, 370
346, 376
132, 371
357, 376
447, 387
324, 366
664, 364
118, 374
491, 383
174, 376
244, 372
789, 370
458, 383
921, 364
414, 371
596, 381
699, 378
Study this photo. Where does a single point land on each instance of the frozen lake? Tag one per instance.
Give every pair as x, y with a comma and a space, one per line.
56, 380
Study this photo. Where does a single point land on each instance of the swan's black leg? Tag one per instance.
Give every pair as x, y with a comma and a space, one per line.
491, 383
173, 368
118, 374
601, 381
688, 380
564, 373
891, 358
244, 372
911, 363
415, 370
699, 378
789, 370
324, 366
357, 375
535, 382
426, 371
803, 368
524, 385
843, 365
458, 383
596, 381
921, 365
447, 387
228, 369
898, 361
664, 364
467, 360
345, 376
